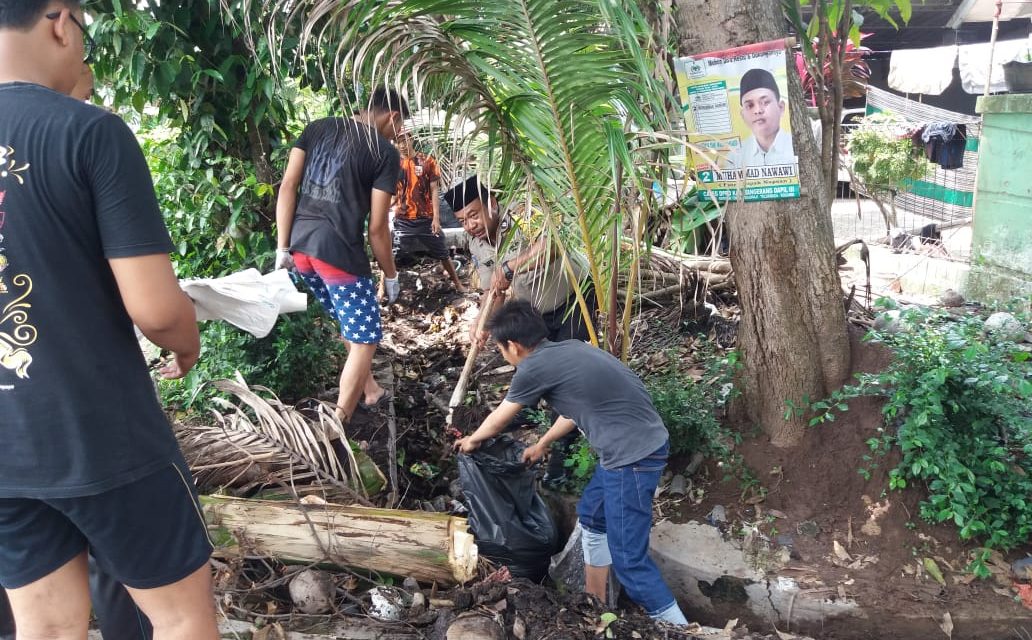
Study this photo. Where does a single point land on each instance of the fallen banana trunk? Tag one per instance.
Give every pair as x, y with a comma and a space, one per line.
429, 547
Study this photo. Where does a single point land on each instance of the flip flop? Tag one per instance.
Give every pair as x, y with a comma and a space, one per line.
379, 404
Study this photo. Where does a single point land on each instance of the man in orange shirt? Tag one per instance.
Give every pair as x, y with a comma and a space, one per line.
417, 213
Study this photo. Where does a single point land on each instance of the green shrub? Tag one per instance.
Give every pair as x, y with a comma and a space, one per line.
689, 408
299, 358
958, 410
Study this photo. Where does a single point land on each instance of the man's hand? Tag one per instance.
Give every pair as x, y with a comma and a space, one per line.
498, 280
435, 226
393, 288
283, 259
466, 445
477, 337
535, 453
179, 366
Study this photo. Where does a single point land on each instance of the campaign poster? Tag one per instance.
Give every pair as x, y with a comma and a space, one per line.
736, 111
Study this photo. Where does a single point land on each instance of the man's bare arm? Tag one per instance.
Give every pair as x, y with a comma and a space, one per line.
286, 202
380, 232
151, 294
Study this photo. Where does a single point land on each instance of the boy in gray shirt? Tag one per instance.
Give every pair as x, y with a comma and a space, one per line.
594, 391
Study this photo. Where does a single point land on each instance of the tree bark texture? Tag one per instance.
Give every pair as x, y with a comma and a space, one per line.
793, 329
429, 547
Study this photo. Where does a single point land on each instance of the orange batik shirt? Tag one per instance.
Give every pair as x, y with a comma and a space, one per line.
413, 199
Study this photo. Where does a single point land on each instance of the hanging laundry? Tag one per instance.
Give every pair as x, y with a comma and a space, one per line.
945, 143
922, 71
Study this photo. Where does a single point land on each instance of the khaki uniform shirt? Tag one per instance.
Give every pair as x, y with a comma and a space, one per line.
546, 287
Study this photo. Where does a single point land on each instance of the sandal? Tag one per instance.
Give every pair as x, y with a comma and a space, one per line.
375, 407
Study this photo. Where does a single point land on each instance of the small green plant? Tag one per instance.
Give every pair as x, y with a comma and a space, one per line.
581, 464
883, 162
958, 409
689, 408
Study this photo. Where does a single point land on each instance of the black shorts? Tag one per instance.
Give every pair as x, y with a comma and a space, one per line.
413, 238
146, 534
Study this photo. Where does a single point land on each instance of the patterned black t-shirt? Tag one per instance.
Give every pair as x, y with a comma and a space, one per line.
344, 161
78, 411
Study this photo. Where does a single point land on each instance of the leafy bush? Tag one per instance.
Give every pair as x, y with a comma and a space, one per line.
958, 410
212, 204
301, 356
689, 408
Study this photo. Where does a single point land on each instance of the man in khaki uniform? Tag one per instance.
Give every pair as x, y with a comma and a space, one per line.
509, 264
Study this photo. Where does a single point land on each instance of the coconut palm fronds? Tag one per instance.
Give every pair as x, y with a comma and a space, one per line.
259, 441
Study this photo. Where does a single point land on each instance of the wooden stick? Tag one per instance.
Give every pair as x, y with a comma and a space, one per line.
467, 369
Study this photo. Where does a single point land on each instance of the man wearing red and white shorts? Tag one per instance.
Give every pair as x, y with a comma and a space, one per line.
341, 172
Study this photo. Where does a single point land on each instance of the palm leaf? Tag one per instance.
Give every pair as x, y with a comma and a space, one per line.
563, 89
259, 442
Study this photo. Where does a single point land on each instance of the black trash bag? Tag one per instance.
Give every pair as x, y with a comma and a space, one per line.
510, 522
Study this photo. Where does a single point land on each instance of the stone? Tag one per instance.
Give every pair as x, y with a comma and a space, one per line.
785, 540
1005, 326
475, 627
440, 504
1022, 569
312, 592
808, 528
951, 298
717, 516
387, 604
678, 485
889, 321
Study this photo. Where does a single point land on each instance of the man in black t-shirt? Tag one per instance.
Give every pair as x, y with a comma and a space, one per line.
341, 173
89, 460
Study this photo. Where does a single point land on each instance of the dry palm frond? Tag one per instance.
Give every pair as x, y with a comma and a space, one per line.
261, 442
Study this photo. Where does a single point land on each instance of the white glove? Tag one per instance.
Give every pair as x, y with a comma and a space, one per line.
392, 287
283, 259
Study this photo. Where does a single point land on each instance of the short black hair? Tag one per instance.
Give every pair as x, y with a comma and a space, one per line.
24, 14
518, 321
384, 99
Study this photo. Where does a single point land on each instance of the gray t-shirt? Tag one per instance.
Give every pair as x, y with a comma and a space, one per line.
607, 400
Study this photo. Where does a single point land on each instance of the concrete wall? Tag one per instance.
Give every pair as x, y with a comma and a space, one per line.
1002, 235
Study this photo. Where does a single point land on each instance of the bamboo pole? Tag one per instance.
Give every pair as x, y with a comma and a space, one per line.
429, 547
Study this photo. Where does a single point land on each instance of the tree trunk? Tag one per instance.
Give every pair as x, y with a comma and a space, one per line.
793, 331
429, 547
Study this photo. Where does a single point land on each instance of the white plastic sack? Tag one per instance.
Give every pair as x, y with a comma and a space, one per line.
247, 299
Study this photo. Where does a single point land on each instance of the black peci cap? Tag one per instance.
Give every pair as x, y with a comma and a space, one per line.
758, 79
462, 194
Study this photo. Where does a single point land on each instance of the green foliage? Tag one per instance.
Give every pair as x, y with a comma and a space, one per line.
689, 408
212, 206
192, 67
300, 355
688, 219
959, 410
882, 159
581, 464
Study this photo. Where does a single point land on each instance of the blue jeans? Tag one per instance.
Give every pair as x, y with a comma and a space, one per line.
618, 503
